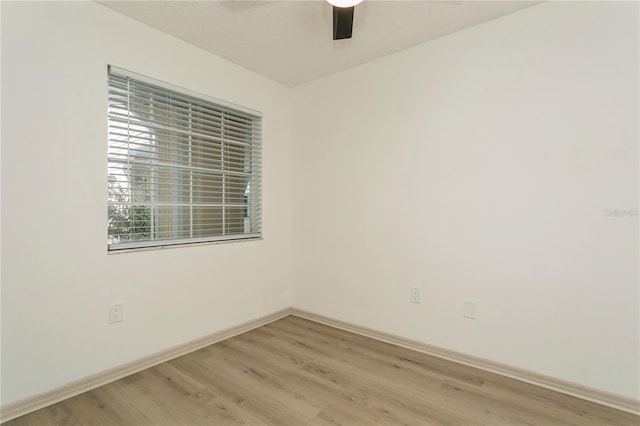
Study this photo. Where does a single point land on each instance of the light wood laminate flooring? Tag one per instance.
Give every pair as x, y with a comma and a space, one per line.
298, 372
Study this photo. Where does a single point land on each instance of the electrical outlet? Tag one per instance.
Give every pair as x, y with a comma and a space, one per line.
414, 295
115, 313
469, 309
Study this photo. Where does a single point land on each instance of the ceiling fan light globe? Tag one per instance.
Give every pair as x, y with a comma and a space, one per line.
344, 3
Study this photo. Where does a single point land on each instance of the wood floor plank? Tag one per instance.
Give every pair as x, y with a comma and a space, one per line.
373, 388
298, 372
94, 408
226, 383
398, 375
359, 390
511, 392
58, 414
418, 389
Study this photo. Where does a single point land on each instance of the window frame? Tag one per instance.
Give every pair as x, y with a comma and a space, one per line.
232, 183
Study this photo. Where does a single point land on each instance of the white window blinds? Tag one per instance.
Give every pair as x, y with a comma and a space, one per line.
183, 167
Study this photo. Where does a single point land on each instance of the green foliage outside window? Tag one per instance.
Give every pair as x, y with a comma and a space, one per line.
129, 212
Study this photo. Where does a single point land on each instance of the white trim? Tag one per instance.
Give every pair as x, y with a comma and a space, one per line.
181, 242
19, 408
583, 392
205, 243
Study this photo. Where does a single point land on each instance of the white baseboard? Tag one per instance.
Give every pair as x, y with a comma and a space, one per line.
28, 405
16, 409
583, 392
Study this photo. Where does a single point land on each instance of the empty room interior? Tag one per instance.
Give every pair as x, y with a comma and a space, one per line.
432, 219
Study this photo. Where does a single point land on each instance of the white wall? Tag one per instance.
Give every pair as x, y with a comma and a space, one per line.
483, 166
480, 166
57, 278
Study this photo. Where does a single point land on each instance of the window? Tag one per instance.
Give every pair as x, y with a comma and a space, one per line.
183, 168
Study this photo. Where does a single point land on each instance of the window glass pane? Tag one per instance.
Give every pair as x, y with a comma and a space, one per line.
180, 166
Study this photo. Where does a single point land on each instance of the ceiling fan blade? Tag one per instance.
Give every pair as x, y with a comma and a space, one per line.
342, 22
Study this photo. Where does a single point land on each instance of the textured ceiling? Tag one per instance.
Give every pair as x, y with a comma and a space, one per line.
291, 41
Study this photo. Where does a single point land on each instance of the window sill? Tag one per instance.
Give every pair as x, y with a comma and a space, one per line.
182, 245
